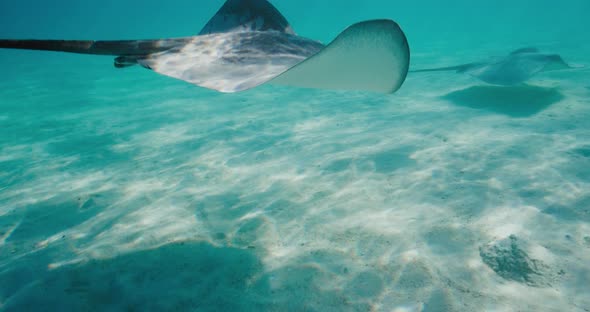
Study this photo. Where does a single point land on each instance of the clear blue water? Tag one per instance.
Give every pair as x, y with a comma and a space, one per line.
123, 190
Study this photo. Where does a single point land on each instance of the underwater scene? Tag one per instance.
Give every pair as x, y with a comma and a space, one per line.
253, 155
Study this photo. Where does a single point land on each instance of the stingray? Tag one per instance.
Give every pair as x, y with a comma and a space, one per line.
249, 43
516, 68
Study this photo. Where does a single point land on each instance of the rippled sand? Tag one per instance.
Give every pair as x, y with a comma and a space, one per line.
124, 190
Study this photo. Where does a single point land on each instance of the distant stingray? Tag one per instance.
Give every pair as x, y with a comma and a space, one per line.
516, 68
249, 43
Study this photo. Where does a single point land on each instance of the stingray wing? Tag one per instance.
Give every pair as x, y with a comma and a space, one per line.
372, 55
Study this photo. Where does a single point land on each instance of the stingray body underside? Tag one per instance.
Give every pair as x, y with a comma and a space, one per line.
231, 62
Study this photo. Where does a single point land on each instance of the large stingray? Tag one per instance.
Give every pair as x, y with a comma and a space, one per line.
516, 68
249, 43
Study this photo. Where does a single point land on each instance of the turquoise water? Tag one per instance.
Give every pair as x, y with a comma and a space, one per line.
123, 190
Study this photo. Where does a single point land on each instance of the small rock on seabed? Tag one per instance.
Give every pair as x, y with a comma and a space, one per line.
509, 259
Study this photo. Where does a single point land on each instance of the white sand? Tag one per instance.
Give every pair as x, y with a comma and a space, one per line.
137, 193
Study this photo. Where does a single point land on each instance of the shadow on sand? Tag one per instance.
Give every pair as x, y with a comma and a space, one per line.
182, 276
518, 101
175, 277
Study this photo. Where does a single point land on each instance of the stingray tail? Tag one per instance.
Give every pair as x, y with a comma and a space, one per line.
117, 48
459, 68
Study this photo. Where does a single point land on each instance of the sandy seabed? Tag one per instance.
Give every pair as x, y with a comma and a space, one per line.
127, 191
